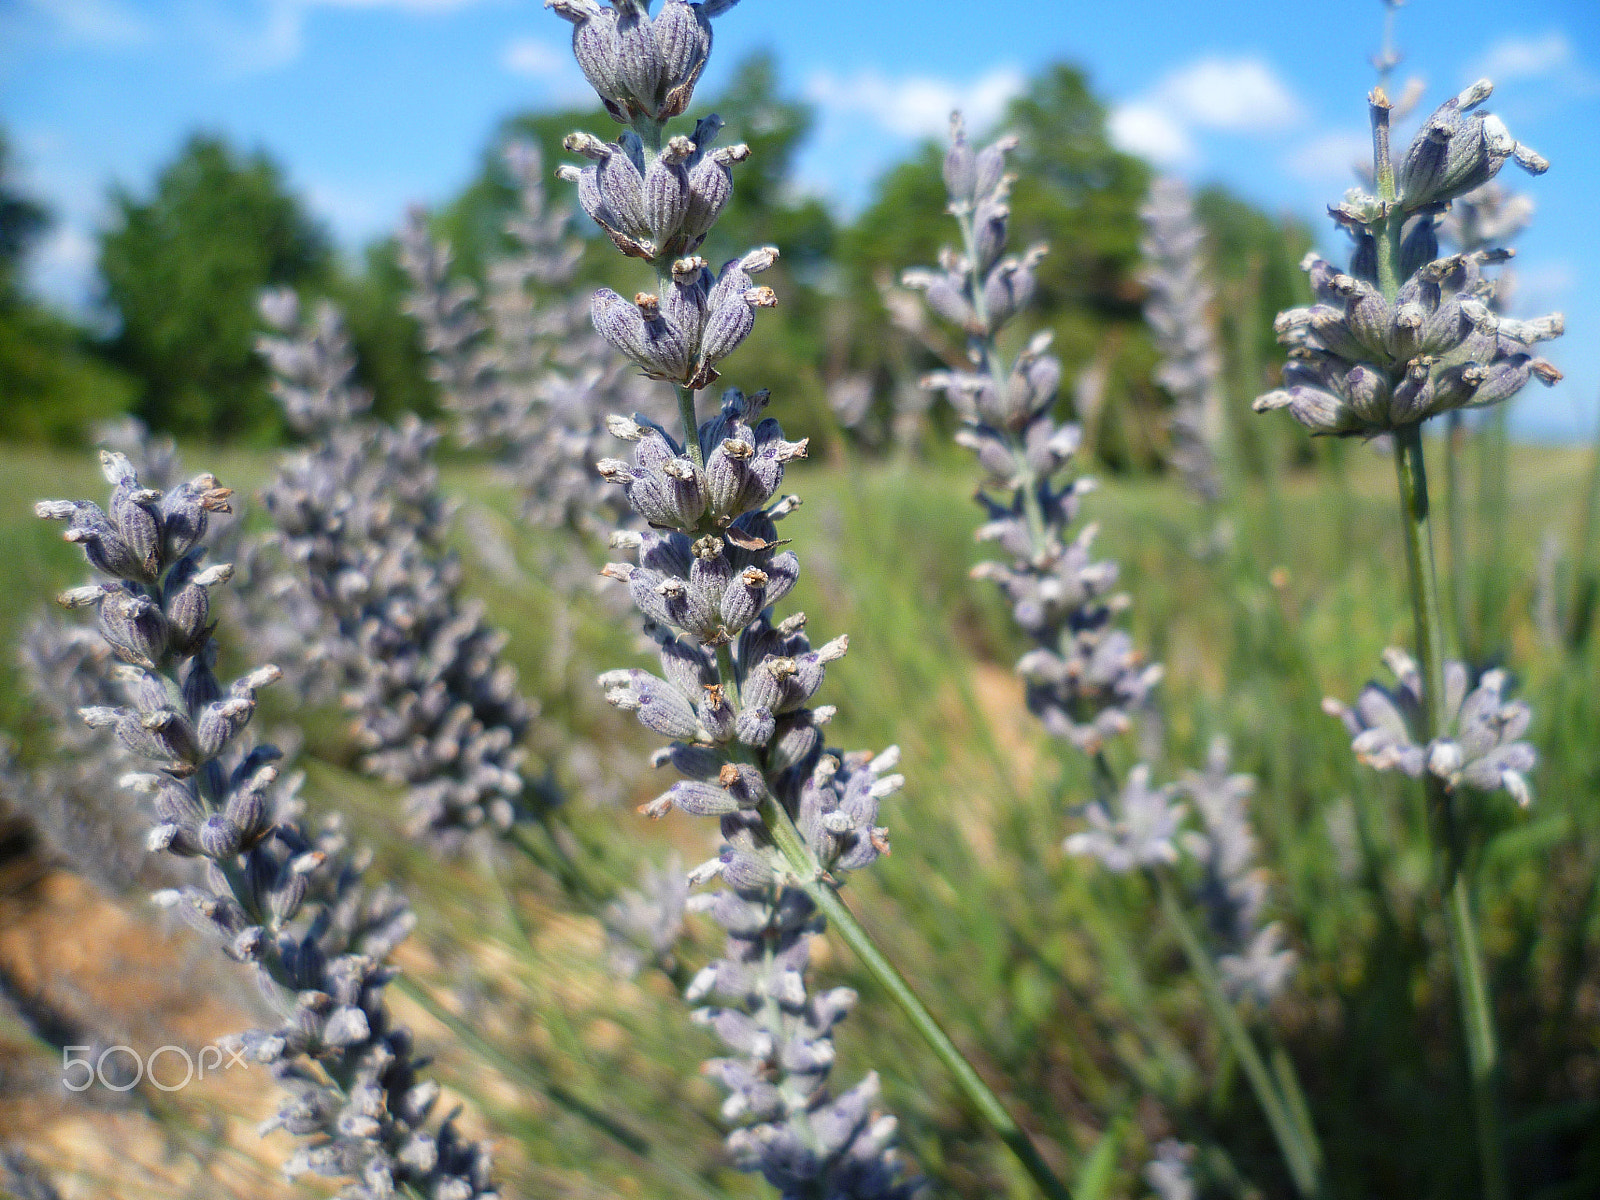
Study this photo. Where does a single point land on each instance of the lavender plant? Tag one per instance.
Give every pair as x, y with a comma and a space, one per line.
1177, 307
1083, 677
520, 365
359, 515
1403, 336
737, 680
278, 894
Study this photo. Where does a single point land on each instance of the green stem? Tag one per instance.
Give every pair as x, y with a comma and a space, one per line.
1294, 1097
1454, 530
1586, 583
1300, 1159
1477, 1016
691, 425
989, 1106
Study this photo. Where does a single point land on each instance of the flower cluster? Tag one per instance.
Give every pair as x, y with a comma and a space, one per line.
680, 337
1084, 677
642, 68
736, 679
520, 365
787, 1124
659, 209
359, 518
1142, 831
1177, 308
285, 899
1405, 334
1481, 744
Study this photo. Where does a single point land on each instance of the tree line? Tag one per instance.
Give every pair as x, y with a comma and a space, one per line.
181, 262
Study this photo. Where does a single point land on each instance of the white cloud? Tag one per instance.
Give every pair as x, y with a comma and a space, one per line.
1150, 131
1329, 158
91, 22
1225, 95
915, 105
1527, 58
530, 56
273, 35
552, 65
61, 268
1236, 95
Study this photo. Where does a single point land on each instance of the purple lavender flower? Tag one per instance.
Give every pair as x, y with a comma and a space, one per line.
1394, 342
1480, 746
361, 525
287, 899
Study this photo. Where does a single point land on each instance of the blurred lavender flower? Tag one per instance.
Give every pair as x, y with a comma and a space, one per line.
1480, 746
643, 927
1170, 1173
1234, 888
736, 680
20, 1178
1141, 832
1084, 678
359, 518
1178, 310
521, 366
1402, 338
72, 798
277, 895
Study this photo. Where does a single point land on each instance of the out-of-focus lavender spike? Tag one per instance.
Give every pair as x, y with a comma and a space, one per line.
644, 926
1085, 680
23, 1179
1233, 890
360, 527
277, 894
521, 366
1177, 308
72, 798
1170, 1174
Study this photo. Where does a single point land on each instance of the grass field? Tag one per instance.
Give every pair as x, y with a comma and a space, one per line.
1059, 980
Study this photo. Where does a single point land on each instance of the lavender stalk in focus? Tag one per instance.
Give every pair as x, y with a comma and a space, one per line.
279, 895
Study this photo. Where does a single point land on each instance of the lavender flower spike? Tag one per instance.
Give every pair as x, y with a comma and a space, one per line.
1177, 309
707, 571
286, 899
1405, 335
1234, 889
362, 525
1142, 831
1480, 747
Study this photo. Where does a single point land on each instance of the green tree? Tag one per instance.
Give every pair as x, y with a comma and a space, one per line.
52, 386
182, 271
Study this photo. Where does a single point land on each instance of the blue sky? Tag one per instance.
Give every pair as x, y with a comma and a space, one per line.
374, 104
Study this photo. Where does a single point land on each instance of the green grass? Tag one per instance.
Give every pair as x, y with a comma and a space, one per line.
1057, 980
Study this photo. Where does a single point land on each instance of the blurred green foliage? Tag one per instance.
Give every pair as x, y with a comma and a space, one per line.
183, 267
52, 384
